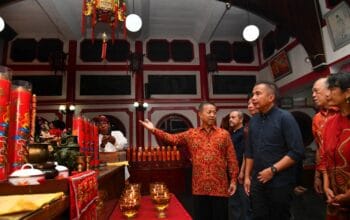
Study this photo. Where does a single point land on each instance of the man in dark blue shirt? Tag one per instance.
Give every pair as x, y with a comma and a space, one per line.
274, 146
239, 204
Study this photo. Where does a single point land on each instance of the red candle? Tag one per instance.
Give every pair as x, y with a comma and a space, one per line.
154, 155
19, 126
139, 156
128, 154
173, 155
96, 147
87, 136
178, 157
149, 155
144, 155
133, 159
5, 85
163, 154
78, 130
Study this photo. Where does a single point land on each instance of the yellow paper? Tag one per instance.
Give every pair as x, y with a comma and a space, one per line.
121, 163
28, 202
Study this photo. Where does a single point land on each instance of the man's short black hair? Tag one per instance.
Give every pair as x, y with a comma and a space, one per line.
200, 107
272, 87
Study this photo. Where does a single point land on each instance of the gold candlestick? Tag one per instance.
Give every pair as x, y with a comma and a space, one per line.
32, 127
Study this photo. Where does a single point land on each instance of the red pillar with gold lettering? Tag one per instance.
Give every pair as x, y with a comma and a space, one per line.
5, 87
19, 126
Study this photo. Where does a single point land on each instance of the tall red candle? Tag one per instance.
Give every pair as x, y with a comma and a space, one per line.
5, 85
92, 143
96, 146
87, 136
78, 130
19, 126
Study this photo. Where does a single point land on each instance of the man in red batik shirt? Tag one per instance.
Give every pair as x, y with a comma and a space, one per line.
320, 93
213, 159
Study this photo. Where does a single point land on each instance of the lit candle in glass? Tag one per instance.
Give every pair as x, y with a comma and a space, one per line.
96, 147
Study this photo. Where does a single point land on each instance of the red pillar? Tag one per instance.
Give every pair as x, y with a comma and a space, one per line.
139, 96
72, 58
203, 72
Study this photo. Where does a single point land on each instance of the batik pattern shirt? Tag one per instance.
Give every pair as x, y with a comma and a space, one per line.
213, 158
335, 159
319, 121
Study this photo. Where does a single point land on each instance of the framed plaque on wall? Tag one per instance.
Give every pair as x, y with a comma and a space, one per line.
338, 24
280, 66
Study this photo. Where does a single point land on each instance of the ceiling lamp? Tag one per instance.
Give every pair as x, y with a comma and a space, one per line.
2, 24
251, 33
133, 23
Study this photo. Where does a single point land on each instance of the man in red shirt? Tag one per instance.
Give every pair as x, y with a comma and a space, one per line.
320, 92
214, 163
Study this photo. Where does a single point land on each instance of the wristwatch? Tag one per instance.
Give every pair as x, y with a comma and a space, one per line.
273, 169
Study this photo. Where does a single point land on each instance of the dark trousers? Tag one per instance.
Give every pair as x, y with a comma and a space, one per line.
239, 207
270, 203
210, 207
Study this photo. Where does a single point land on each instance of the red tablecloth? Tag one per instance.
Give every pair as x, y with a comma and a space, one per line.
83, 194
147, 211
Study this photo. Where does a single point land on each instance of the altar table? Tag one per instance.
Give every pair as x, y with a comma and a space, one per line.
147, 211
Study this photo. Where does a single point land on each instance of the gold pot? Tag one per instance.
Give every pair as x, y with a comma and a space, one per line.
38, 153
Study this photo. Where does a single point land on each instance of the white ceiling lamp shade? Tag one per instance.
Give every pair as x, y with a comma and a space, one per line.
133, 22
2, 24
251, 33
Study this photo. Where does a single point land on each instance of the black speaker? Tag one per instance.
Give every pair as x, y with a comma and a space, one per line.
212, 64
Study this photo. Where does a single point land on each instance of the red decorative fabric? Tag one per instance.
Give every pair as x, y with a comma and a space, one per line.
213, 158
83, 194
147, 211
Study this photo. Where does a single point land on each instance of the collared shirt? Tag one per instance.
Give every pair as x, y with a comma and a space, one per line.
120, 142
318, 122
237, 137
271, 137
213, 158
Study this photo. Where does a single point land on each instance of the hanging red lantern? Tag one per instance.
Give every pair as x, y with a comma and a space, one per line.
106, 11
